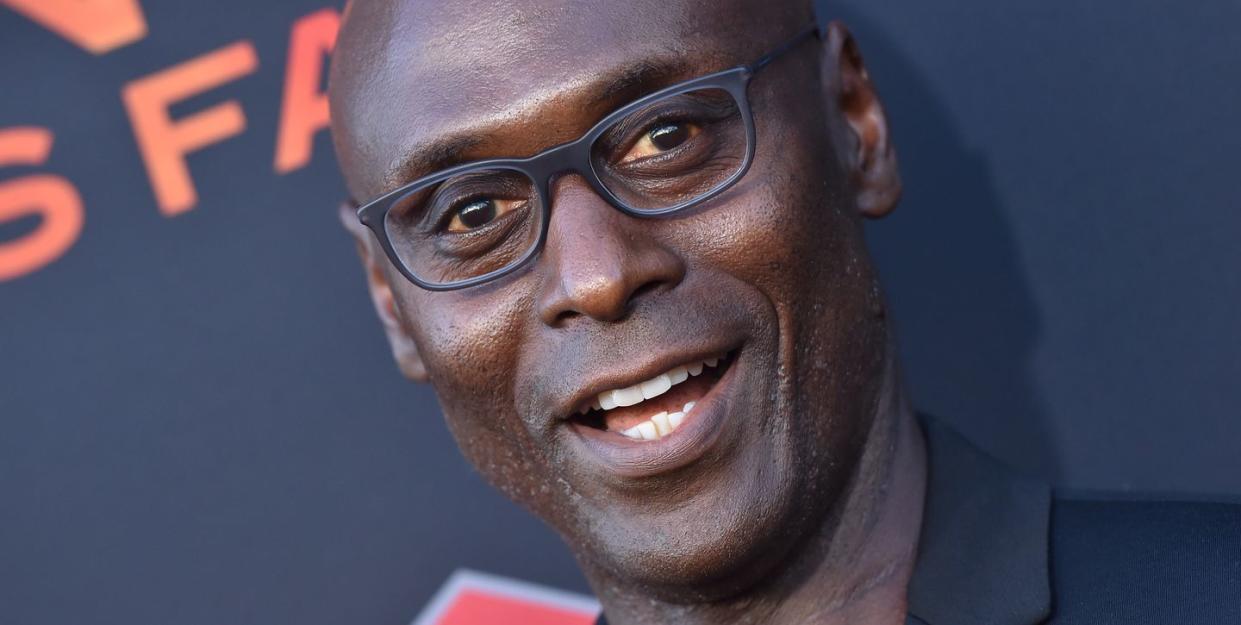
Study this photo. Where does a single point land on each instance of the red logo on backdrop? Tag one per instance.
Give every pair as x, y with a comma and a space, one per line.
103, 26
99, 26
473, 598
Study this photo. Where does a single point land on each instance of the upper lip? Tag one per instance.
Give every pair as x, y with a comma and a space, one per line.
618, 377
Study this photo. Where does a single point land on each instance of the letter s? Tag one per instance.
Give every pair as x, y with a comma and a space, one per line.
51, 197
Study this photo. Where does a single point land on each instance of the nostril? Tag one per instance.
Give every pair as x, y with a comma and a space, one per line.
611, 306
566, 315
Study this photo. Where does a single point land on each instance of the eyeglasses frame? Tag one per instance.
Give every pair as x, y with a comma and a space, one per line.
541, 168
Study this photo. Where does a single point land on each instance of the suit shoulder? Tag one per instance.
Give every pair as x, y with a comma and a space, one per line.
1146, 561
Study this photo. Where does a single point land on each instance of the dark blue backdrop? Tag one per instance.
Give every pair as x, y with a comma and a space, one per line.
200, 423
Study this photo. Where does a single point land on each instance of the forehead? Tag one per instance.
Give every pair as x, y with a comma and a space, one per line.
508, 78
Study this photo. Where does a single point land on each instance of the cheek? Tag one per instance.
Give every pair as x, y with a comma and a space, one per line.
470, 343
793, 218
792, 230
794, 235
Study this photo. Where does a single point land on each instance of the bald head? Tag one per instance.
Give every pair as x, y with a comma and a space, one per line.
409, 74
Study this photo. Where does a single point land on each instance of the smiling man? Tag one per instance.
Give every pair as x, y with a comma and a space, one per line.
623, 241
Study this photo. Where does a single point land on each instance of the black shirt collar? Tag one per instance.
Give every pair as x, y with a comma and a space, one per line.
983, 553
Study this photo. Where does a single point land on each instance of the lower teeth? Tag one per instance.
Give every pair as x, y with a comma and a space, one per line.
659, 425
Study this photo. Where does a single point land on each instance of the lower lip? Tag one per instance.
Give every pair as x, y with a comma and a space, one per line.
628, 458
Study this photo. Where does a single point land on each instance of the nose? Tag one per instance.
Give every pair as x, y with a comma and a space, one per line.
599, 261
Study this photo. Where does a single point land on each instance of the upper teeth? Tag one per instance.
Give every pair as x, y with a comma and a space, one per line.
653, 387
661, 424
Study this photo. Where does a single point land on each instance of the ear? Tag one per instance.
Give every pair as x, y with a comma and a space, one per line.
373, 261
869, 157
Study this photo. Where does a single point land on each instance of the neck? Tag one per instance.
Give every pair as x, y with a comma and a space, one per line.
855, 569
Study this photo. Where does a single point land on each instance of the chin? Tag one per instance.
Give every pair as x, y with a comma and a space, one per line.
728, 536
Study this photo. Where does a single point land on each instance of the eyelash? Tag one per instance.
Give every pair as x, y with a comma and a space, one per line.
629, 137
446, 217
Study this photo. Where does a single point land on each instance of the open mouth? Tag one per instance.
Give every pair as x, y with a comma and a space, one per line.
654, 408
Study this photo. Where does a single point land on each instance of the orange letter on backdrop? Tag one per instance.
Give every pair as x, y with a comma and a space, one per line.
98, 25
304, 111
163, 142
52, 197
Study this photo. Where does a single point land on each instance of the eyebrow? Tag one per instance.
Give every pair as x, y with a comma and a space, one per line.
634, 81
434, 156
608, 92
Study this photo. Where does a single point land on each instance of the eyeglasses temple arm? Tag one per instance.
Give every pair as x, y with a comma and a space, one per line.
810, 31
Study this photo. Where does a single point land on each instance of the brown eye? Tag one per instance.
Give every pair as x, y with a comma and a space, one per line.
479, 213
669, 136
662, 138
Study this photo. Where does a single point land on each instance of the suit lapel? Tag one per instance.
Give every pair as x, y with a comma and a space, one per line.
983, 552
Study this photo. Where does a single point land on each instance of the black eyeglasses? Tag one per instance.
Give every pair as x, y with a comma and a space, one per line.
665, 152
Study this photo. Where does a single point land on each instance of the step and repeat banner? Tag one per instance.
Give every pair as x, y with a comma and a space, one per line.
199, 420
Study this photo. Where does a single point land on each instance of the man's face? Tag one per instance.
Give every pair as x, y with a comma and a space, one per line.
771, 278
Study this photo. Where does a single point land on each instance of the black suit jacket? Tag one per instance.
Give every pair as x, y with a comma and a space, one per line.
1000, 549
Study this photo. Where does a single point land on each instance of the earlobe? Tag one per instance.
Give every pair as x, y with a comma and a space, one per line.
871, 159
404, 350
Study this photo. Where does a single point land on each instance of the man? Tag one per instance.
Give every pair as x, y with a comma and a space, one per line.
623, 241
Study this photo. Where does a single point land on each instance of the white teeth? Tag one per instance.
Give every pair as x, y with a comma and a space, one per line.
657, 426
675, 419
656, 386
651, 388
605, 401
647, 430
627, 396
662, 425
678, 375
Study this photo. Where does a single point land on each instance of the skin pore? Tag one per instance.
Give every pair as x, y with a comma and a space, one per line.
796, 491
